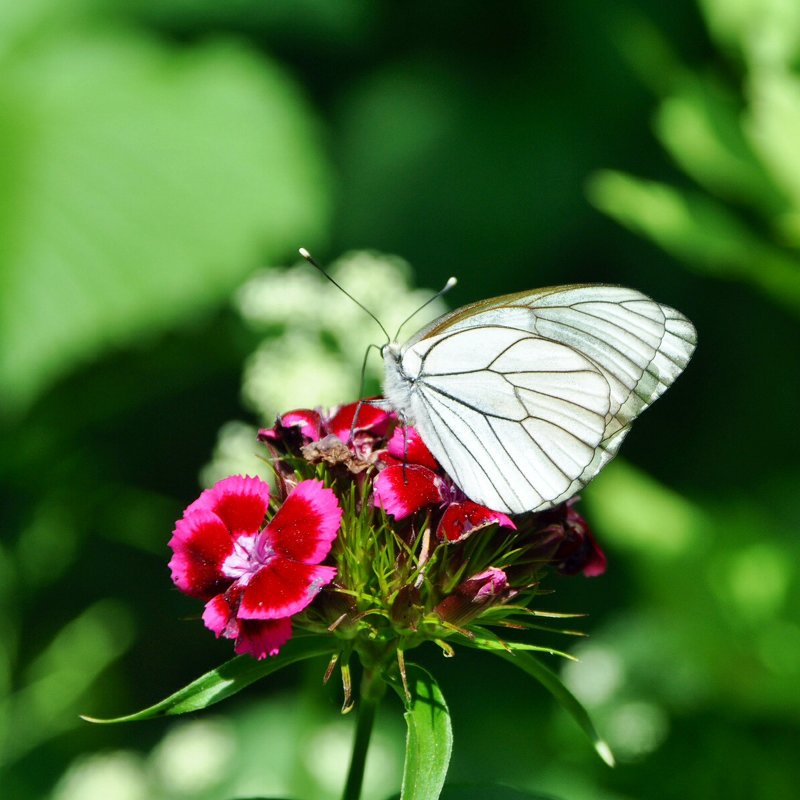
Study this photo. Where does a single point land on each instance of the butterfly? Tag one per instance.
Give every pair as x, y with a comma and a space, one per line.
524, 398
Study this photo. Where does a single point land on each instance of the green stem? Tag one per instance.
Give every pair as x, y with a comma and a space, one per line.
372, 689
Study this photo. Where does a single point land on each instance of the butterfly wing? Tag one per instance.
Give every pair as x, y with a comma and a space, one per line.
524, 398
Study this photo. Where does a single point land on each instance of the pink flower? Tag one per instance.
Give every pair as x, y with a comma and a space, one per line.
255, 577
412, 480
351, 435
305, 425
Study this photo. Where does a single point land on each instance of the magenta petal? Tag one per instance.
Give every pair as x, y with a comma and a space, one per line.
218, 617
370, 418
240, 502
282, 588
305, 421
263, 637
485, 585
200, 544
596, 564
407, 445
401, 491
305, 525
463, 518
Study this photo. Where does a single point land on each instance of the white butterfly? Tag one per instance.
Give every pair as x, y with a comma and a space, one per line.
524, 398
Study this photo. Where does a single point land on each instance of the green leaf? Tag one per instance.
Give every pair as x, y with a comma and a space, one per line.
700, 232
764, 31
628, 505
700, 125
58, 680
227, 680
773, 127
141, 183
567, 700
485, 639
430, 737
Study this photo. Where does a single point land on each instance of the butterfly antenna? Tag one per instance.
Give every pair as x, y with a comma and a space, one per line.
451, 282
314, 263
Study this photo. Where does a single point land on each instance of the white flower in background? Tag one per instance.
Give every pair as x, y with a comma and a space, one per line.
115, 775
315, 338
319, 333
194, 756
236, 452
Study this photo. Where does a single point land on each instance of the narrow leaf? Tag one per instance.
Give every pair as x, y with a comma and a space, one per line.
430, 736
567, 700
485, 639
227, 680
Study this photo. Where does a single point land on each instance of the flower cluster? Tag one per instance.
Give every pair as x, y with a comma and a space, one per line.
367, 540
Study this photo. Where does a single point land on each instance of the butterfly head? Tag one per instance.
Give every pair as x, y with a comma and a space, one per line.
397, 384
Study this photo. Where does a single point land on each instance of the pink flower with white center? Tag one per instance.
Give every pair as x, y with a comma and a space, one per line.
255, 577
413, 480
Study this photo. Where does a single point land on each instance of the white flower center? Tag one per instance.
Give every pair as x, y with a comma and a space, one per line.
250, 554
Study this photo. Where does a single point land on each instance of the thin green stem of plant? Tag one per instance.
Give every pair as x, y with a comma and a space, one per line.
372, 689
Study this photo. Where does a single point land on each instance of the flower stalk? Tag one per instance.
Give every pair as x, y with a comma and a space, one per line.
371, 691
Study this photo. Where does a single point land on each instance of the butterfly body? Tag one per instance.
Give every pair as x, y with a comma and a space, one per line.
524, 398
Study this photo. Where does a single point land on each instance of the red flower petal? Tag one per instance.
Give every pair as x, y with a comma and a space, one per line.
595, 563
407, 445
200, 544
384, 459
463, 518
241, 503
305, 525
263, 637
401, 491
370, 418
282, 588
578, 550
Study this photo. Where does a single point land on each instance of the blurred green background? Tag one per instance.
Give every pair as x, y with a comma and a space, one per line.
155, 154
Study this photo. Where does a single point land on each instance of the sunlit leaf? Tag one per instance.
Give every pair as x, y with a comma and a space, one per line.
700, 125
47, 705
227, 680
527, 663
485, 639
430, 737
630, 507
700, 232
763, 31
140, 184
773, 127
